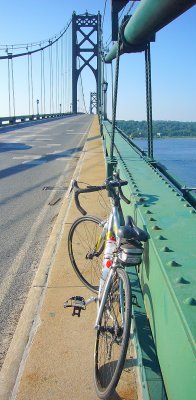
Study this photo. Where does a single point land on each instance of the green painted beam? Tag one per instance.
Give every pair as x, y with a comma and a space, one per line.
167, 274
150, 16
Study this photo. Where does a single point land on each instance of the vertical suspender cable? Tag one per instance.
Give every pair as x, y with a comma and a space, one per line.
41, 81
44, 87
31, 67
29, 94
149, 101
13, 92
52, 81
63, 75
9, 87
66, 74
115, 97
61, 81
69, 67
112, 79
83, 93
50, 78
57, 76
58, 95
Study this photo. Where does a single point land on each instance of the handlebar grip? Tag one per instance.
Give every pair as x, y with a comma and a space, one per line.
77, 191
82, 210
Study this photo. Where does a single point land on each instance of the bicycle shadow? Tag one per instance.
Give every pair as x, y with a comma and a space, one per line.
124, 388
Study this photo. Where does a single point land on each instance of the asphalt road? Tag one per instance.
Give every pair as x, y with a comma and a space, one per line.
36, 164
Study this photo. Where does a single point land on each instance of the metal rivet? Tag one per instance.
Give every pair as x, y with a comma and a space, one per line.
182, 280
173, 264
166, 249
160, 237
148, 212
156, 228
152, 219
190, 301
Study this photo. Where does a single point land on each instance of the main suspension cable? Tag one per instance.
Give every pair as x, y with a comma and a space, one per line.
50, 43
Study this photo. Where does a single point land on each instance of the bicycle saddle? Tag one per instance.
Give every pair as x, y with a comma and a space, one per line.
130, 231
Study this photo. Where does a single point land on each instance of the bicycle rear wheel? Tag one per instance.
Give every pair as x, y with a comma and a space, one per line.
85, 257
112, 337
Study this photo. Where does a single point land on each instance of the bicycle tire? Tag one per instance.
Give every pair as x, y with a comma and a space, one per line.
112, 338
82, 238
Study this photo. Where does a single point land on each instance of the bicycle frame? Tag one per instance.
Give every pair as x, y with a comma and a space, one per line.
101, 299
112, 228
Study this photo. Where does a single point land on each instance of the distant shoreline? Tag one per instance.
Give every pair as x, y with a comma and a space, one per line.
166, 137
160, 129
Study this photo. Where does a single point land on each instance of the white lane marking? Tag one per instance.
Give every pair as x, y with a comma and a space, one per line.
17, 263
31, 157
34, 162
53, 152
43, 139
75, 133
53, 144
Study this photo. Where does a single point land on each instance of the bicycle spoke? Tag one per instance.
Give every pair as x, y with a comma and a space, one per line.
113, 335
82, 241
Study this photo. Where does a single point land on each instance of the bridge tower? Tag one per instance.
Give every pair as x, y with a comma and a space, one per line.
93, 102
84, 49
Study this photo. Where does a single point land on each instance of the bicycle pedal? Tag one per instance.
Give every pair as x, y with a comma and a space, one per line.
77, 303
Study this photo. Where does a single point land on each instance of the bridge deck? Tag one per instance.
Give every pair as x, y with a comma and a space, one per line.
58, 362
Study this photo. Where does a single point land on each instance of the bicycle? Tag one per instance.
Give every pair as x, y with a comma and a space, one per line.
121, 245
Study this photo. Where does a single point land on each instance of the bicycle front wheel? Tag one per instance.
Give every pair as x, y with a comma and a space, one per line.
83, 240
112, 337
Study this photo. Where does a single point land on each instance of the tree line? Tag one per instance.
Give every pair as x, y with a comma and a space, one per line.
160, 128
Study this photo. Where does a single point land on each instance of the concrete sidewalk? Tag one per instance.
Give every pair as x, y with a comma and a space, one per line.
57, 360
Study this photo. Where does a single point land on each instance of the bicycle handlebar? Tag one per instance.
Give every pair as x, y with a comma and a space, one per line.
110, 185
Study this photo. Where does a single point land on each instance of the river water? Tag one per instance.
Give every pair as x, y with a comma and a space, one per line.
178, 155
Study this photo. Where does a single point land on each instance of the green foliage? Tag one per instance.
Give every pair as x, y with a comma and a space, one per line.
160, 128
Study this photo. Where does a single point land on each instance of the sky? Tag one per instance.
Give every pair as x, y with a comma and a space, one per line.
173, 57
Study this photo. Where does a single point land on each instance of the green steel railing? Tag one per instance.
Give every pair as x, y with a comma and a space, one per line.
4, 121
167, 275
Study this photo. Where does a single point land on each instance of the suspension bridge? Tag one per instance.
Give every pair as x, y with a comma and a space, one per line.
51, 111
